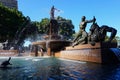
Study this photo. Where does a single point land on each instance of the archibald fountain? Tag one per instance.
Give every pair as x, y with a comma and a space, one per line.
52, 41
90, 46
85, 47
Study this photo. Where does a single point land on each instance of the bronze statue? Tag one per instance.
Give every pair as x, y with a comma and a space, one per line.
52, 11
4, 64
82, 35
105, 29
98, 34
52, 27
53, 23
83, 39
94, 34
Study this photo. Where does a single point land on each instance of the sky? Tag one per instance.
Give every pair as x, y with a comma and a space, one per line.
107, 12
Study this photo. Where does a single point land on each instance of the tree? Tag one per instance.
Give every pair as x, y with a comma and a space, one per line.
42, 25
27, 29
66, 28
10, 22
14, 26
118, 40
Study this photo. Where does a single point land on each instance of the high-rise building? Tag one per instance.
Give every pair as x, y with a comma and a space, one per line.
10, 3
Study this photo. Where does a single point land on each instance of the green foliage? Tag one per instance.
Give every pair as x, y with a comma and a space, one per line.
118, 40
10, 21
42, 25
66, 28
26, 30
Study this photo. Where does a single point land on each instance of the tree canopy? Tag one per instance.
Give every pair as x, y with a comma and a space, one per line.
10, 22
66, 28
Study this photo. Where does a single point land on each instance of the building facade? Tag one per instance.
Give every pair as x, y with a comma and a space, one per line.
10, 3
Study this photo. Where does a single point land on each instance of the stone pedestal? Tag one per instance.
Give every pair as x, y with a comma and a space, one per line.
8, 53
49, 51
100, 53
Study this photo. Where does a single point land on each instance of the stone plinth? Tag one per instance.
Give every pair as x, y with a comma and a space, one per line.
92, 55
8, 53
99, 53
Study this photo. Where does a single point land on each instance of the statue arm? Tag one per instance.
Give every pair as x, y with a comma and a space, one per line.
89, 21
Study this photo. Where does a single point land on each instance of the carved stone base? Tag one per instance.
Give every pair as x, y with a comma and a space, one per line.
100, 53
8, 53
92, 55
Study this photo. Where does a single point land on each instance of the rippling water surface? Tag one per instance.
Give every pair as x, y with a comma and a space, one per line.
57, 69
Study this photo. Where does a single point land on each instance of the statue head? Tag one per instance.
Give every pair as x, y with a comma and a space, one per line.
94, 26
83, 18
53, 7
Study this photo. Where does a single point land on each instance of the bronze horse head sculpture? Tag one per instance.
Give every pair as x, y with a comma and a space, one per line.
98, 34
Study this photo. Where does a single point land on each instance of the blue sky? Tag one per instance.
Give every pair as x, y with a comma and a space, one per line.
107, 12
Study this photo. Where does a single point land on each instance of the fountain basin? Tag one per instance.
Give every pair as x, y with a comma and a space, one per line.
52, 45
50, 68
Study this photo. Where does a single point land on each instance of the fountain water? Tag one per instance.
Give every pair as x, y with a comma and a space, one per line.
116, 51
